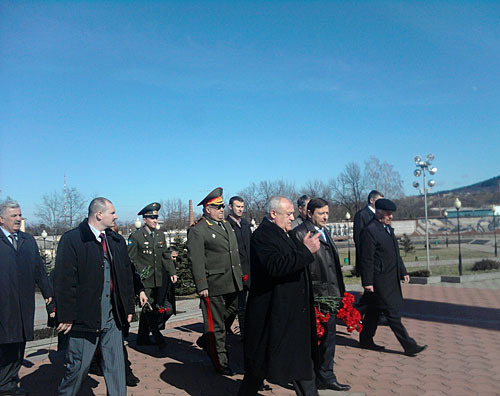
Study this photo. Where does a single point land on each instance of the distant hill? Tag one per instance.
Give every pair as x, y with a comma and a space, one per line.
490, 185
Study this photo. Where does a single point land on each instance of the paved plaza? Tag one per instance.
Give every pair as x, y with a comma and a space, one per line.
459, 322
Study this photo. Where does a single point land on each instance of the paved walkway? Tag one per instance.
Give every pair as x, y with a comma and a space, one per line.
459, 322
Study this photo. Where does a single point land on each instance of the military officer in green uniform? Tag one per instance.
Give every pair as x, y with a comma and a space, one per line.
148, 251
215, 264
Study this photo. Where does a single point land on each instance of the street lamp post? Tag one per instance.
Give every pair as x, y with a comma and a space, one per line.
137, 223
44, 236
422, 167
445, 213
348, 217
493, 209
458, 205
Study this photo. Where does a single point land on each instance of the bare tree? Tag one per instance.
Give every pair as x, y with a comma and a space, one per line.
75, 208
175, 215
382, 177
316, 189
257, 194
349, 188
50, 211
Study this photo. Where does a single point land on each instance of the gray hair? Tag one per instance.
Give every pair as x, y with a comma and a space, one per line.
274, 204
8, 203
98, 204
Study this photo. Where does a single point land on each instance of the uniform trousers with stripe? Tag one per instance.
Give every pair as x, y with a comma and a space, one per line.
216, 310
81, 349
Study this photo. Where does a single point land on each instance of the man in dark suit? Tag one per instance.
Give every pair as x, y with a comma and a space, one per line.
215, 264
327, 281
148, 251
21, 267
382, 270
94, 298
361, 219
280, 338
302, 208
243, 232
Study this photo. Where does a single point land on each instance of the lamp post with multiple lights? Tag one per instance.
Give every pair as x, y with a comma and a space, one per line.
445, 214
494, 209
348, 217
422, 168
458, 205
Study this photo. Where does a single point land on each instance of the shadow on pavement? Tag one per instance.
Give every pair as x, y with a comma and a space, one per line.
46, 379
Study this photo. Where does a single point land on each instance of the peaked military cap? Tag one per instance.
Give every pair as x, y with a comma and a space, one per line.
213, 198
150, 210
385, 204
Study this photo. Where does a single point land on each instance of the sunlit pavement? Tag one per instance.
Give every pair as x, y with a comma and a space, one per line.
459, 322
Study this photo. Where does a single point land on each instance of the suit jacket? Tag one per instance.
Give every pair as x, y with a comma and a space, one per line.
79, 279
19, 271
243, 234
326, 273
361, 219
149, 255
280, 333
382, 265
214, 258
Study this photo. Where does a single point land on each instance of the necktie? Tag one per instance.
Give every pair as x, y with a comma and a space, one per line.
106, 253
153, 234
387, 228
14, 240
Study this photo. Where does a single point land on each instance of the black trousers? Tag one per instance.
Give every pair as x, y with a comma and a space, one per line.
251, 384
393, 316
11, 359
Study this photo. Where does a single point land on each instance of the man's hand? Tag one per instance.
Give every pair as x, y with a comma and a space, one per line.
173, 278
129, 318
48, 300
64, 327
203, 293
369, 288
406, 279
312, 242
143, 299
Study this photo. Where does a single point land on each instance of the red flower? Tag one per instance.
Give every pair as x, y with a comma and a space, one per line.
349, 314
245, 277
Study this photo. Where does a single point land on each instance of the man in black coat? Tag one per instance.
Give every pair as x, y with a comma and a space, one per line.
382, 271
327, 281
94, 297
21, 267
280, 335
361, 219
243, 232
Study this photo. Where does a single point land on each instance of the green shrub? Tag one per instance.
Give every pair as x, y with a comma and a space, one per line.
485, 265
421, 273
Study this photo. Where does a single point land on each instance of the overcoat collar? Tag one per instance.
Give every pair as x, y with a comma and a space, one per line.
312, 228
88, 236
279, 231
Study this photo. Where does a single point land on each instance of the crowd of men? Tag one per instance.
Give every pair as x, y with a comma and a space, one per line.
269, 280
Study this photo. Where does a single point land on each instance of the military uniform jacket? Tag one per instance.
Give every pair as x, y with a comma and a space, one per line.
149, 254
214, 258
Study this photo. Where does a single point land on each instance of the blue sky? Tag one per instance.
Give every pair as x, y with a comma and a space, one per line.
146, 100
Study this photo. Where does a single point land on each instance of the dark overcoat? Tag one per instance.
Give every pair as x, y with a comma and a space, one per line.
213, 257
280, 335
326, 273
243, 234
382, 265
79, 279
361, 219
19, 271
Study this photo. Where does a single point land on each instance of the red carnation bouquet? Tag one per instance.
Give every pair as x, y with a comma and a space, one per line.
324, 307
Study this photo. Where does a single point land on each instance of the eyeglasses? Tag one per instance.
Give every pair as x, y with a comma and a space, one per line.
218, 207
154, 217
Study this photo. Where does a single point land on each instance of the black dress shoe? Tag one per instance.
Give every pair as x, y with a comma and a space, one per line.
226, 371
371, 345
334, 385
416, 349
15, 392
